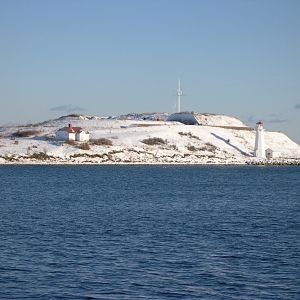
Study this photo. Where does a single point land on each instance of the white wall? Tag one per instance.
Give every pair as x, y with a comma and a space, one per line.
62, 135
82, 136
271, 154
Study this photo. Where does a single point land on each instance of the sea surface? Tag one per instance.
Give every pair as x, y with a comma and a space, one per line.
149, 232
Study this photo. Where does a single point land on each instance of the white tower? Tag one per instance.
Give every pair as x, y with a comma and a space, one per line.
259, 150
179, 94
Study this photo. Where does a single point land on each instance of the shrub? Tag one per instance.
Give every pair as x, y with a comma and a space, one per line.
154, 141
174, 147
40, 156
191, 148
188, 134
70, 142
210, 147
84, 146
26, 133
101, 141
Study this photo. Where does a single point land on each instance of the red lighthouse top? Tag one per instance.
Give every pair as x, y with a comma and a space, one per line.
259, 123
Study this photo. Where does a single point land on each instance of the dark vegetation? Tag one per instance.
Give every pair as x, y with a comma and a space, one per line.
191, 148
189, 134
207, 147
210, 147
39, 156
26, 133
154, 141
101, 141
84, 146
70, 142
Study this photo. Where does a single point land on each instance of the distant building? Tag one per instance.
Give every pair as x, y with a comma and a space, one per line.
271, 154
72, 134
259, 149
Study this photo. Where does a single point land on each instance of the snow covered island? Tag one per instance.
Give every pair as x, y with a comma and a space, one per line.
184, 138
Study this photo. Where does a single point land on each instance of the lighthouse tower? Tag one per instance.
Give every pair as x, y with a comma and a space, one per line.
259, 150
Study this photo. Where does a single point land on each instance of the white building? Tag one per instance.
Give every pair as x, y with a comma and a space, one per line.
259, 149
82, 136
72, 134
271, 154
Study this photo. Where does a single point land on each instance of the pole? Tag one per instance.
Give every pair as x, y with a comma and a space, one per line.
179, 94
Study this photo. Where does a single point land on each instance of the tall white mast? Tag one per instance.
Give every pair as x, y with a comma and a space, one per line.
179, 94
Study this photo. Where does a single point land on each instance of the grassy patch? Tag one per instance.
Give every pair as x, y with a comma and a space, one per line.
173, 147
189, 134
101, 141
210, 147
191, 148
154, 141
39, 156
70, 142
84, 146
26, 133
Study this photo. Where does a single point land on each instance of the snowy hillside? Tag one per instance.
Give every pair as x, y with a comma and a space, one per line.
140, 138
218, 120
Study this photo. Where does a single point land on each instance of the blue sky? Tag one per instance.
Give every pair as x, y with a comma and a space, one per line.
111, 57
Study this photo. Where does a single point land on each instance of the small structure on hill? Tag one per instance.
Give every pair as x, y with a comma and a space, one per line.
187, 118
259, 149
72, 134
271, 154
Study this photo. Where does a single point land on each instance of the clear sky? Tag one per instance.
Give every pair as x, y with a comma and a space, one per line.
109, 57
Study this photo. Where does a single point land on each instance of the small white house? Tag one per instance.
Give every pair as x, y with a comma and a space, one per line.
72, 134
271, 154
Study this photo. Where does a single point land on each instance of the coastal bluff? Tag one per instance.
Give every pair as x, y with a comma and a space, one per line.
142, 139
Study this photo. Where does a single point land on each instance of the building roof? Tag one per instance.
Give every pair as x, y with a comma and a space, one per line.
71, 129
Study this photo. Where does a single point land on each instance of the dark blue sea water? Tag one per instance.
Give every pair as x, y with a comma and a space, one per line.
143, 232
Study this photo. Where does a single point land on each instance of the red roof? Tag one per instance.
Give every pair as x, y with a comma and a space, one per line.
72, 129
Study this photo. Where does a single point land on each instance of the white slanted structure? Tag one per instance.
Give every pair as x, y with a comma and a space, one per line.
72, 134
259, 150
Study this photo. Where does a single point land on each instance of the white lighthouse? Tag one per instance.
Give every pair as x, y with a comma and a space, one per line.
259, 150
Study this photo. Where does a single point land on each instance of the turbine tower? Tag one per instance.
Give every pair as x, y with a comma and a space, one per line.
179, 94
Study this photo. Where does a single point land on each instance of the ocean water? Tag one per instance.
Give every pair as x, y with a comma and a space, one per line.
149, 232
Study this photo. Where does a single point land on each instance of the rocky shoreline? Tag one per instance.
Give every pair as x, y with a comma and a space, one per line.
283, 162
134, 156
